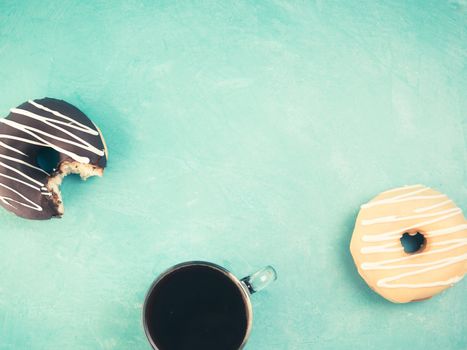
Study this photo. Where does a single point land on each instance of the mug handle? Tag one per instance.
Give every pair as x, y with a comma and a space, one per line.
260, 279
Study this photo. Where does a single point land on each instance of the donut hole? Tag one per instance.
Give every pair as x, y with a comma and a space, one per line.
47, 159
413, 242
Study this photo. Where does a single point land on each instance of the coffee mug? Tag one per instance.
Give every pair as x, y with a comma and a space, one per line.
201, 305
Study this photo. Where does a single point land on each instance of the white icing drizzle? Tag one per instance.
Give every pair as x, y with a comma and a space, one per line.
449, 282
22, 174
395, 199
386, 219
22, 139
449, 241
12, 148
25, 163
40, 137
71, 122
439, 264
423, 209
35, 133
369, 205
20, 181
52, 123
8, 200
395, 245
386, 236
446, 231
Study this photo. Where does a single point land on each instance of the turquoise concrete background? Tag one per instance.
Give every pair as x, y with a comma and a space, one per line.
245, 133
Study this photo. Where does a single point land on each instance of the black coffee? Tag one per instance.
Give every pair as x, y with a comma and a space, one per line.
196, 307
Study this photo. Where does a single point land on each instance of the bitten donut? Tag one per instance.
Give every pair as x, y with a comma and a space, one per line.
26, 189
413, 212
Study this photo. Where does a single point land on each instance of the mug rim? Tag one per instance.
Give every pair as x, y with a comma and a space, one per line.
245, 294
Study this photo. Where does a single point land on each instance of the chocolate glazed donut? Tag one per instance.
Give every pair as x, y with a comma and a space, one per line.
25, 188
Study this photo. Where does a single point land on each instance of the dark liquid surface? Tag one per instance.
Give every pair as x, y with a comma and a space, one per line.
196, 307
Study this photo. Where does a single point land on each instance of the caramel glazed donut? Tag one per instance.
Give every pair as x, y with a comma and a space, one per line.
377, 250
25, 188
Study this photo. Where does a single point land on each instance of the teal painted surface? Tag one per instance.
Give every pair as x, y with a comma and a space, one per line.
245, 133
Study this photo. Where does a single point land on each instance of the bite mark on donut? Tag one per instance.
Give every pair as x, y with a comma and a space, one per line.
65, 168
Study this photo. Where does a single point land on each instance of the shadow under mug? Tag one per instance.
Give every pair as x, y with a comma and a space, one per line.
200, 305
